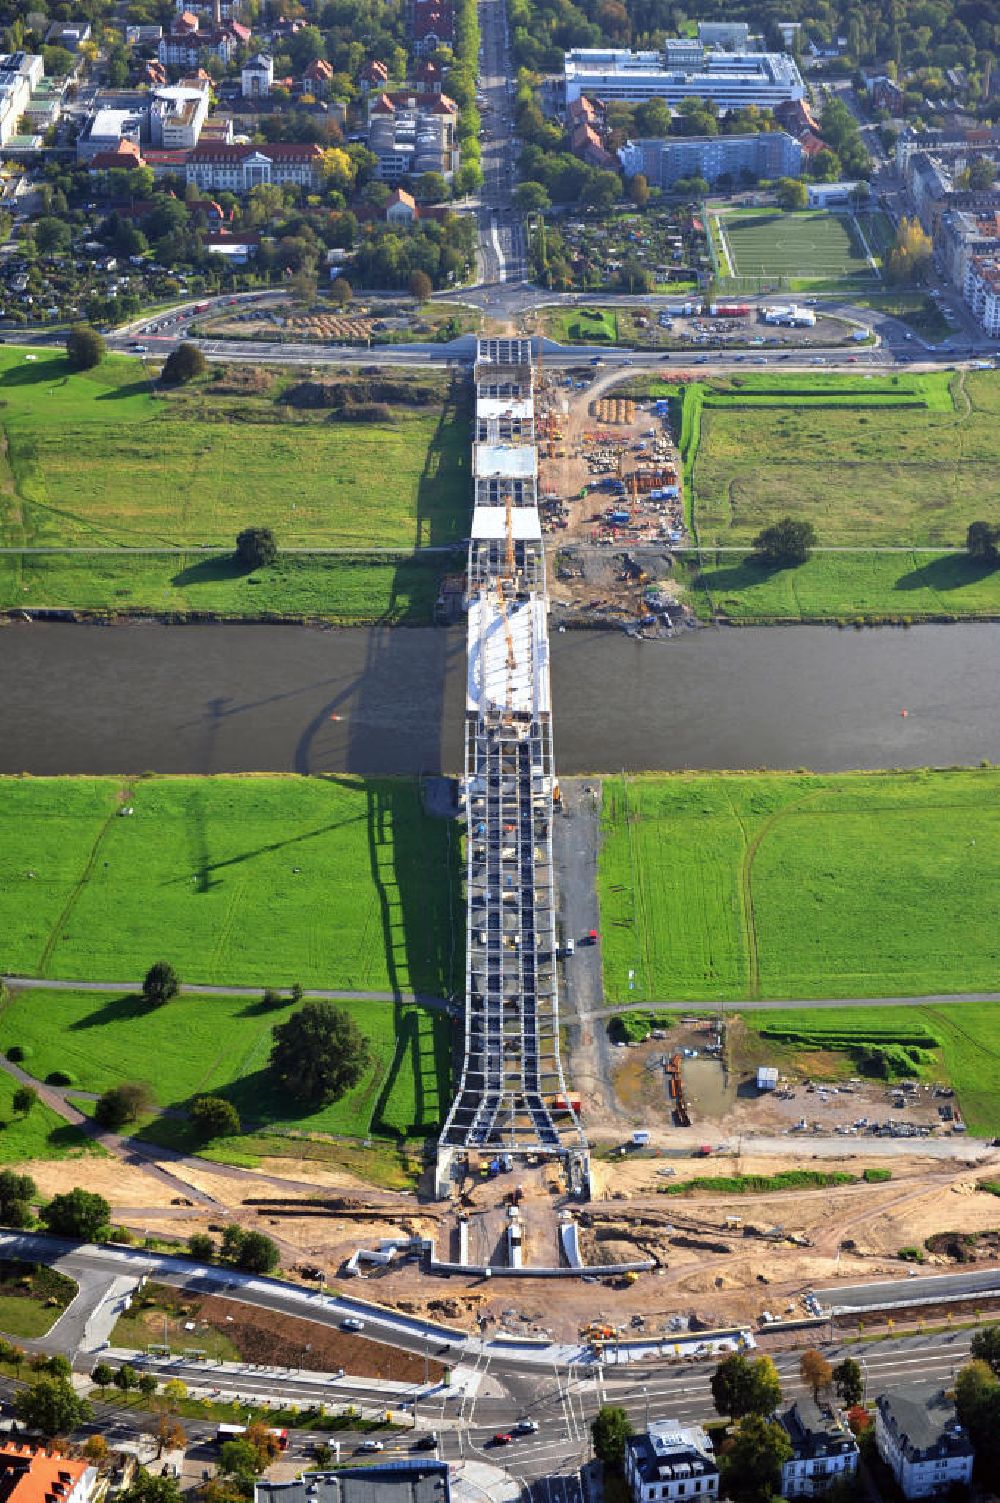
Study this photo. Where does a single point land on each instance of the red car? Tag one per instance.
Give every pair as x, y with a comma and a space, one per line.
502, 1439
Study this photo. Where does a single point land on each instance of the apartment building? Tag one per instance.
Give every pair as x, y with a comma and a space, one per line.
760, 154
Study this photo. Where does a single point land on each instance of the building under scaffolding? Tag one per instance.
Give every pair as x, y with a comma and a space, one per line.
512, 1095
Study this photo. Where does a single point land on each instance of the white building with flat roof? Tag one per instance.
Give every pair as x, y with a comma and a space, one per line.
684, 70
20, 73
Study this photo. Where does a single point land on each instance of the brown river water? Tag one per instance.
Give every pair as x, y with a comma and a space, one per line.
213, 698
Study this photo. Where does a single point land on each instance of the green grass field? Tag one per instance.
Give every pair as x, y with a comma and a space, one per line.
846, 587
99, 459
241, 880
965, 1035
342, 589
218, 1044
899, 459
809, 245
799, 885
39, 1135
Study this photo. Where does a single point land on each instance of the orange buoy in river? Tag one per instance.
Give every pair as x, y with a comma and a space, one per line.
904, 713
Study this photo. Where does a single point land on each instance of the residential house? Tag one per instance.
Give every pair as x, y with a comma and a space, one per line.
671, 1461
143, 36
240, 168
981, 290
428, 77
68, 34
918, 1436
585, 143
29, 1473
374, 75
401, 207
885, 94
432, 25
317, 78
257, 76
823, 1449
184, 45
795, 116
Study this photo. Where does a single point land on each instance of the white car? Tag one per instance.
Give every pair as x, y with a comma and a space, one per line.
371, 1445
352, 1324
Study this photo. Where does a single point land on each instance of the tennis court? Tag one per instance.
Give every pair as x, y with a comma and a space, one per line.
810, 244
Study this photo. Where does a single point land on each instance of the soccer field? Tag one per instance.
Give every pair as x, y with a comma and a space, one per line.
807, 245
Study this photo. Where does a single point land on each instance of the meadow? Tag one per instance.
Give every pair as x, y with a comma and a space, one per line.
344, 589
865, 586
101, 459
39, 1135
201, 1044
790, 885
963, 1036
241, 880
810, 245
900, 459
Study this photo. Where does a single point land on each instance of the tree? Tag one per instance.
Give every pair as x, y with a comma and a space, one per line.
791, 193
785, 542
319, 1053
910, 256
95, 1449
160, 983
816, 1371
532, 198
201, 1246
126, 1377
431, 188
982, 541
175, 1391
741, 1387
123, 1103
147, 1385
653, 118
146, 1488
420, 285
17, 1192
257, 1253
341, 291
214, 1117
239, 1458
182, 365
84, 347
985, 1347
751, 1462
23, 1099
232, 1238
255, 548
79, 1214
170, 1434
610, 1430
849, 1381
52, 236
638, 189
52, 1406
103, 1376
981, 173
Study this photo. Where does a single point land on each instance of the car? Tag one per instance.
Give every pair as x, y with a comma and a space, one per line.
371, 1445
526, 1427
569, 948
140, 349
426, 1442
352, 1324
502, 1438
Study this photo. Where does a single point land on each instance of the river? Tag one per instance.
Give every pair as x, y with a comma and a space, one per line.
203, 699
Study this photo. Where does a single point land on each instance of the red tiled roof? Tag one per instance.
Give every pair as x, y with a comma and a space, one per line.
38, 1476
276, 151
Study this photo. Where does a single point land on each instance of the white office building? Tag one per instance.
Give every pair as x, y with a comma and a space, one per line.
20, 73
684, 70
921, 1442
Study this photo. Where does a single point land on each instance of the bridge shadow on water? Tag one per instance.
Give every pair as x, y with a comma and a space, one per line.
391, 727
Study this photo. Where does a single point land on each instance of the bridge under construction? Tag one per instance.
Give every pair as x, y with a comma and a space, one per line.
512, 1096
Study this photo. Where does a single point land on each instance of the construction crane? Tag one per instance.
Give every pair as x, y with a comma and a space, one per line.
510, 561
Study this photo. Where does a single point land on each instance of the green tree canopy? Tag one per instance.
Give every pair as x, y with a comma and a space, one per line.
52, 1406
256, 548
786, 542
849, 1381
23, 1099
17, 1192
122, 1104
160, 983
214, 1117
751, 1461
610, 1429
982, 541
257, 1253
84, 347
741, 1386
182, 365
319, 1053
985, 1347
79, 1214
147, 1488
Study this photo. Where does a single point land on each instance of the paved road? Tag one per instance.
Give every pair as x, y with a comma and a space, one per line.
37, 983
936, 1287
930, 999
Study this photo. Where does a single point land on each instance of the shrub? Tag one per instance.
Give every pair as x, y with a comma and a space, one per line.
877, 1176
17, 1053
256, 548
84, 347
182, 365
364, 412
60, 1078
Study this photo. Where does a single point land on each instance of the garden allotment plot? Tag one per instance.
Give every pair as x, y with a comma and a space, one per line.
807, 246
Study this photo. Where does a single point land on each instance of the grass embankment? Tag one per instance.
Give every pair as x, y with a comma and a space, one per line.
330, 881
39, 1135
346, 590
220, 1045
897, 461
799, 885
760, 1184
32, 1297
102, 459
